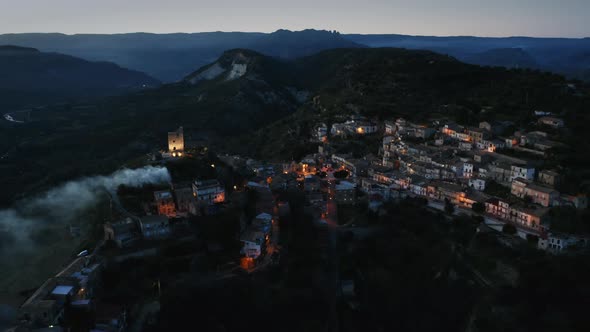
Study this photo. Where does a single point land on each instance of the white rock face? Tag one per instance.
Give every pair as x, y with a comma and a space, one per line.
237, 71
210, 73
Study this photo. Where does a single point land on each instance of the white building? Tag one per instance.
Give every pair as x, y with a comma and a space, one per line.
525, 172
208, 191
467, 170
253, 243
322, 132
390, 128
477, 184
559, 242
364, 127
154, 227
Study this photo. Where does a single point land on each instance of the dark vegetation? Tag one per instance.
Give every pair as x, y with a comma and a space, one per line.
415, 271
30, 78
570, 220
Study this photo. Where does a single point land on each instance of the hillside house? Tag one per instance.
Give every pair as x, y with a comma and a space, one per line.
532, 218
154, 227
321, 132
522, 171
549, 178
253, 243
579, 201
465, 146
185, 201
557, 242
311, 183
443, 190
551, 122
538, 194
345, 192
477, 135
125, 233
390, 128
208, 191
165, 203
477, 184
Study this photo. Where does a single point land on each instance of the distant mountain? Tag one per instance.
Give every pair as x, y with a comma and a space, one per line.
503, 57
30, 77
170, 57
560, 55
290, 45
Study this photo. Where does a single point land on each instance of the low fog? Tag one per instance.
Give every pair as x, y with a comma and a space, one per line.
63, 204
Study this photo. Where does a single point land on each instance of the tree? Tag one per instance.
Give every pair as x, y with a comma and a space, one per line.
478, 207
449, 207
532, 239
341, 174
509, 229
528, 200
478, 219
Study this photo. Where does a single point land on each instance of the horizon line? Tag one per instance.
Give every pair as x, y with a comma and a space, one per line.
282, 29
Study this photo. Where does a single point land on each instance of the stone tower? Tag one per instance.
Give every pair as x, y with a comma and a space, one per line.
176, 141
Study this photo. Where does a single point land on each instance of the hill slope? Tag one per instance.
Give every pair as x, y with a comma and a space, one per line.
504, 57
264, 107
387, 83
30, 76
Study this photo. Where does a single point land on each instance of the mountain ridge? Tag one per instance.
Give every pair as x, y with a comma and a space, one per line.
178, 54
31, 77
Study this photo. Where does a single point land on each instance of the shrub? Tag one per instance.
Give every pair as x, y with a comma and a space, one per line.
509, 229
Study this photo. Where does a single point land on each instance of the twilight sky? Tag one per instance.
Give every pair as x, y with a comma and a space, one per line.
549, 18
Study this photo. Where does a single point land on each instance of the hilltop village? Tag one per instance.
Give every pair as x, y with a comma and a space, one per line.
237, 213
494, 170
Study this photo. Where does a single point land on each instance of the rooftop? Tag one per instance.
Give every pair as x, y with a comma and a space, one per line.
152, 220
345, 185
62, 290
164, 194
448, 186
549, 172
206, 183
540, 188
264, 215
252, 236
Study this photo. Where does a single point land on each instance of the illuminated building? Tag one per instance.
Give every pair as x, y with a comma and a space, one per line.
176, 142
208, 191
165, 203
